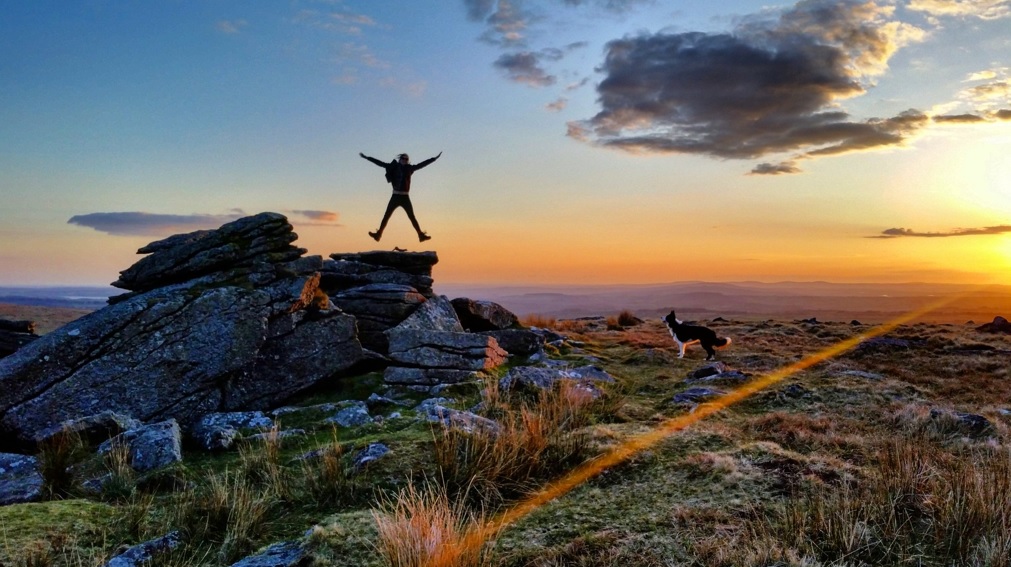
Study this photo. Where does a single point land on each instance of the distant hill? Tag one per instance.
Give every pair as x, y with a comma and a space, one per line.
72, 297
869, 303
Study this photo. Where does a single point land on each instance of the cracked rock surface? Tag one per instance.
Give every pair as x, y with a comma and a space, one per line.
246, 334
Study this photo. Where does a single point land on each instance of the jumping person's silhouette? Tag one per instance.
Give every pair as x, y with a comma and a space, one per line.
398, 173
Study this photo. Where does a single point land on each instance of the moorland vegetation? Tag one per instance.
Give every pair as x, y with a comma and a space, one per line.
896, 452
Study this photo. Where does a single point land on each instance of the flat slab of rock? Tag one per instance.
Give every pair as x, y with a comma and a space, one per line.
151, 446
441, 349
697, 395
479, 316
436, 314
145, 553
520, 342
284, 554
346, 271
466, 421
540, 378
351, 413
378, 308
20, 480
220, 431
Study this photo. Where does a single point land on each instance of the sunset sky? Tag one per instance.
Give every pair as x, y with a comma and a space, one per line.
584, 141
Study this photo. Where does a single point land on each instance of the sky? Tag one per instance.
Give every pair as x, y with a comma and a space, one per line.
583, 141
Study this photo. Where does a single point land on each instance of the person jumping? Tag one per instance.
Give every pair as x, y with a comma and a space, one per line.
398, 173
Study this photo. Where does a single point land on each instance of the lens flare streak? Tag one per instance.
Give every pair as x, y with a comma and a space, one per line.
490, 529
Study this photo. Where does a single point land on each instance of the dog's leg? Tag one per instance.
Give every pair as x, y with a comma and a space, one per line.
681, 349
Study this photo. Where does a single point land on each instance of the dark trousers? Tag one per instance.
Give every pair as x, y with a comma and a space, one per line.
403, 201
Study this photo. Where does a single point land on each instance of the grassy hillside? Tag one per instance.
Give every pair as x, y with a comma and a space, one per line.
864, 459
46, 318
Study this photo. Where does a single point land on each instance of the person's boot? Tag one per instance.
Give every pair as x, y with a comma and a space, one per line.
421, 237
376, 235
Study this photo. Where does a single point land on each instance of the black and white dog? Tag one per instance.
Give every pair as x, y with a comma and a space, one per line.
685, 335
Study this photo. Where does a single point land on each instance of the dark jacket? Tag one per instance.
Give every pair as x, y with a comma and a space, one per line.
399, 175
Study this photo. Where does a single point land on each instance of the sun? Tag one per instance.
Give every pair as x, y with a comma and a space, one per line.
1004, 252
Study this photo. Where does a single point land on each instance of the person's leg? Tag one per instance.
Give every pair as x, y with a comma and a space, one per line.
409, 209
390, 207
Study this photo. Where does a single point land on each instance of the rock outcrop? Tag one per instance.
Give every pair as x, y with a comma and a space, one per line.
348, 271
224, 320
430, 347
998, 325
484, 315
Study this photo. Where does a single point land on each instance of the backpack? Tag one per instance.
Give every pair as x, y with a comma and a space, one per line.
390, 175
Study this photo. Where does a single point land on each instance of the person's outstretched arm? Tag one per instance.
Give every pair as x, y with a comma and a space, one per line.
373, 160
426, 162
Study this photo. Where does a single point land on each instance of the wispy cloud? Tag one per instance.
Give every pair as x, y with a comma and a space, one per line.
316, 218
959, 119
356, 53
775, 168
341, 21
160, 225
525, 67
771, 86
507, 20
908, 232
557, 105
983, 9
507, 24
150, 224
231, 26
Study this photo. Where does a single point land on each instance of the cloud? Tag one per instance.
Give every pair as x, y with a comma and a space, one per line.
328, 218
612, 5
150, 224
231, 26
775, 168
959, 119
341, 22
358, 53
771, 86
1003, 114
986, 98
983, 9
507, 20
525, 67
557, 105
901, 232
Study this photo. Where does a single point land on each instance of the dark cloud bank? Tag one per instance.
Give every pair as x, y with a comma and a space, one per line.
771, 86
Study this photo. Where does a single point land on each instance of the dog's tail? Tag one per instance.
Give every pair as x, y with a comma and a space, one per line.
723, 342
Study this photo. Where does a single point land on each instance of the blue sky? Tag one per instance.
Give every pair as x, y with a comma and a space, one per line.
585, 141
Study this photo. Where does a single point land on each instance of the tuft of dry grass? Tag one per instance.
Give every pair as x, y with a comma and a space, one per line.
327, 480
57, 457
228, 513
532, 443
421, 528
919, 506
540, 321
121, 484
